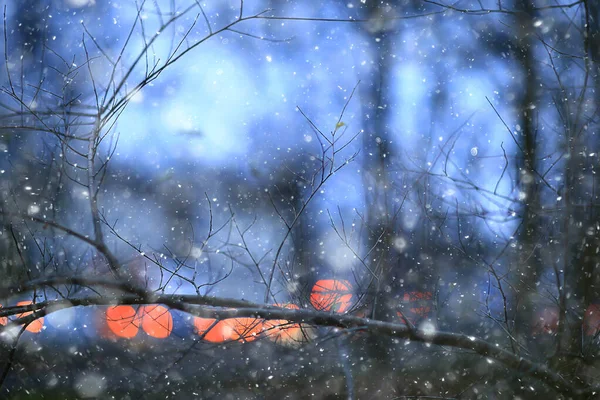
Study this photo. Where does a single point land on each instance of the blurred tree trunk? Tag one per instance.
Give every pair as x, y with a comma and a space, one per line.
377, 156
380, 177
303, 269
589, 282
582, 219
528, 268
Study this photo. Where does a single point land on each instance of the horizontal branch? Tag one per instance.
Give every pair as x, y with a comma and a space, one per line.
222, 308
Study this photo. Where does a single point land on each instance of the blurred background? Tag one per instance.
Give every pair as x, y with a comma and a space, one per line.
439, 161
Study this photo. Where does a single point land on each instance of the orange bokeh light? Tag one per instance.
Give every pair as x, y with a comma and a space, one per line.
214, 332
331, 295
415, 306
121, 320
242, 329
245, 329
37, 325
3, 320
282, 331
156, 321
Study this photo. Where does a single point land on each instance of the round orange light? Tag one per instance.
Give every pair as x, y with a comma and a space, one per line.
242, 329
157, 321
37, 325
282, 331
3, 320
415, 306
245, 329
121, 320
331, 295
213, 331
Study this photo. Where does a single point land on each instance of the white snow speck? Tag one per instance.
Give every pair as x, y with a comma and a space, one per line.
428, 329
90, 385
33, 209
